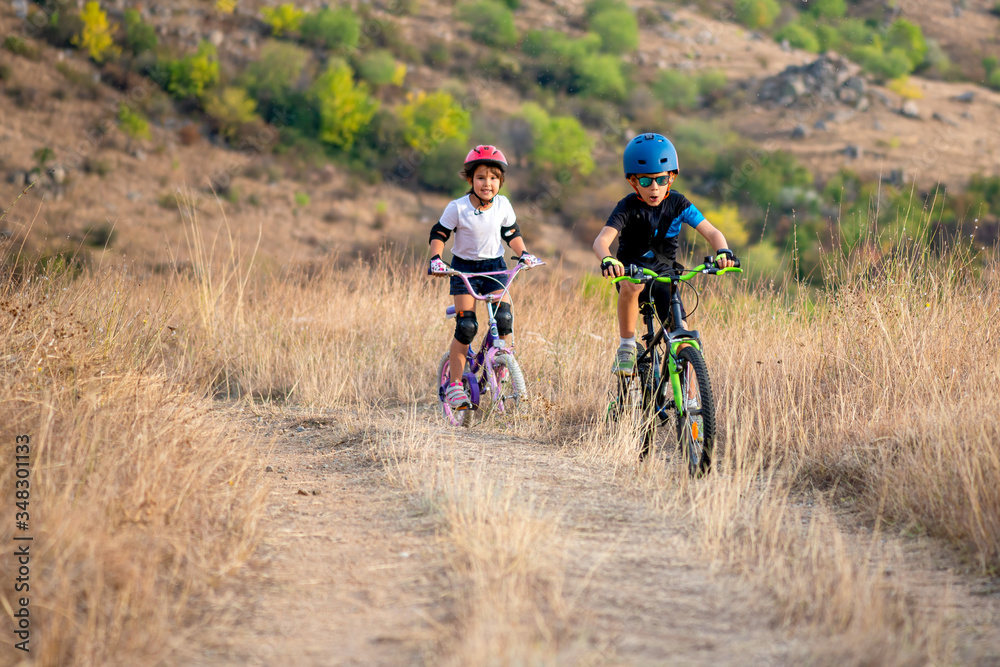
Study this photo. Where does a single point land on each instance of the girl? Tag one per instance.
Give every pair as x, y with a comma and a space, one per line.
480, 219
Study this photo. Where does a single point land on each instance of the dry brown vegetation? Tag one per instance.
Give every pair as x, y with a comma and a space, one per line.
873, 400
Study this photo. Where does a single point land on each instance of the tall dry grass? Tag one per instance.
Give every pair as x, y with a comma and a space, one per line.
876, 395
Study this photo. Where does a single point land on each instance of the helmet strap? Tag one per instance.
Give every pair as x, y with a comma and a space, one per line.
482, 204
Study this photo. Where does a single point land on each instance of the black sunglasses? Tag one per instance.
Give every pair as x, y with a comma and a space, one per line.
646, 181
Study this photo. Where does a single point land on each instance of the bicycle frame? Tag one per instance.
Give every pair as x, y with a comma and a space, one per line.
676, 337
492, 344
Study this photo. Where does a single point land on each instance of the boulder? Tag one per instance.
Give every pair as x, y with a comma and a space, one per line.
820, 126
853, 151
944, 119
910, 109
965, 98
800, 132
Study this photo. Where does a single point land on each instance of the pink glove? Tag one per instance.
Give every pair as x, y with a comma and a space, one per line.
437, 266
529, 260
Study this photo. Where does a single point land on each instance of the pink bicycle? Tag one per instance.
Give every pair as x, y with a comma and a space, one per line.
491, 373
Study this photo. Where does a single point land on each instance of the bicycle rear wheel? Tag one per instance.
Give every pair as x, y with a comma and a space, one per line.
452, 416
696, 426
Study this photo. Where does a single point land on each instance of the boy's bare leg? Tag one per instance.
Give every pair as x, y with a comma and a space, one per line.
628, 308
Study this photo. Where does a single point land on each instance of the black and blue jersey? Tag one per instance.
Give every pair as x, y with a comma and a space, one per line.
648, 234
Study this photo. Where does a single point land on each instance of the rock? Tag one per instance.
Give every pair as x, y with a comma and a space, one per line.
853, 151
216, 37
18, 178
303, 492
862, 104
139, 154
944, 119
910, 109
897, 177
848, 95
820, 126
134, 196
877, 126
966, 98
879, 96
268, 469
840, 116
58, 174
785, 46
20, 8
800, 132
967, 116
302, 428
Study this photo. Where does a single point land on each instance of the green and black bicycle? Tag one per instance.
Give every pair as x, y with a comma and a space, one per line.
671, 378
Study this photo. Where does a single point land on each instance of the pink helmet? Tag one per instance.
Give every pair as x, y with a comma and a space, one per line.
486, 155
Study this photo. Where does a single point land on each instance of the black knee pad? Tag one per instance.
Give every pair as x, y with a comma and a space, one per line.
505, 319
466, 326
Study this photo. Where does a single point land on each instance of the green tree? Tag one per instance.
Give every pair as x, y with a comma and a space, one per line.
907, 38
274, 74
798, 36
283, 19
338, 29
133, 124
676, 90
192, 75
757, 14
96, 35
560, 144
618, 30
139, 35
344, 107
429, 120
379, 68
828, 9
230, 110
491, 22
601, 76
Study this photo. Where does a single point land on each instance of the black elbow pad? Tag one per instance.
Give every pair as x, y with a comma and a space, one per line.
439, 233
508, 234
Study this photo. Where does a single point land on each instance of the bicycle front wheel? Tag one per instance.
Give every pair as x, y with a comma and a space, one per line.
696, 426
510, 390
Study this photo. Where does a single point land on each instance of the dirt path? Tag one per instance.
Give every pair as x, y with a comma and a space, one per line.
358, 573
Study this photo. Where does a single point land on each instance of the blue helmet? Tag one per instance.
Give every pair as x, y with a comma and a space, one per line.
649, 154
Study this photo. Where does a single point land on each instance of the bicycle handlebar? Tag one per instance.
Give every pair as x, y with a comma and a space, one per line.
637, 275
488, 297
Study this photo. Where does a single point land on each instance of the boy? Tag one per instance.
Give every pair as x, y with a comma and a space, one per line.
649, 222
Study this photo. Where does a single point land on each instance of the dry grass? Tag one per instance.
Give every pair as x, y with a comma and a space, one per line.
876, 398
503, 554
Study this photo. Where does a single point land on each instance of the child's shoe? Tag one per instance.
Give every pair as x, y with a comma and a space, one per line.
456, 397
625, 360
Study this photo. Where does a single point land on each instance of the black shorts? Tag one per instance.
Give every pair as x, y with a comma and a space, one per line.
483, 284
660, 291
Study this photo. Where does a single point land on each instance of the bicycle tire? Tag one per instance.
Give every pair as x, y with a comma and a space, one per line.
512, 392
453, 417
696, 426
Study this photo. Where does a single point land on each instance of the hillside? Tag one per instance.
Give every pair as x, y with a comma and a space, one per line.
310, 203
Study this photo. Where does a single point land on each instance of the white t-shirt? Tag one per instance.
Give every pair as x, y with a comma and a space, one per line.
478, 236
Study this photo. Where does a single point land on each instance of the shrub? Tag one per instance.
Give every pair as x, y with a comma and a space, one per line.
230, 110
492, 23
828, 9
429, 120
877, 62
560, 144
272, 76
344, 108
906, 88
5, 72
993, 80
907, 38
595, 7
711, 81
139, 35
856, 32
757, 14
379, 68
192, 75
62, 28
601, 76
42, 156
132, 123
798, 36
676, 90
437, 53
338, 29
618, 30
283, 19
439, 170
302, 199
828, 37
95, 37
19, 47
